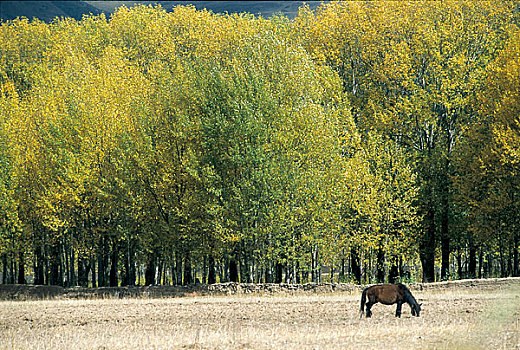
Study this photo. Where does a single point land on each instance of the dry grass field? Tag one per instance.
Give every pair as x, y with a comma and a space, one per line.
451, 319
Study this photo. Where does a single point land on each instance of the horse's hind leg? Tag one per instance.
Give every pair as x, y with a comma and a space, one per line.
369, 307
398, 309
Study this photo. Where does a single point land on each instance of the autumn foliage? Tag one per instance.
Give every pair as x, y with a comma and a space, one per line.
379, 139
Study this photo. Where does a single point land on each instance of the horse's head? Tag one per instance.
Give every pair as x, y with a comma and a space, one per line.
416, 309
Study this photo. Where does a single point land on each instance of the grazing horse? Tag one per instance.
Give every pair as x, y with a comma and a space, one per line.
389, 294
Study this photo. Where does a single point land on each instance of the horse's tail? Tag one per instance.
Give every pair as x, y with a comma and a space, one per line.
363, 301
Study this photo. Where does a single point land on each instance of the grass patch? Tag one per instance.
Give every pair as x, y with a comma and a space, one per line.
451, 319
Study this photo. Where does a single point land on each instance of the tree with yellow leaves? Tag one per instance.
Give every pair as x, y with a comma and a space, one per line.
488, 186
410, 70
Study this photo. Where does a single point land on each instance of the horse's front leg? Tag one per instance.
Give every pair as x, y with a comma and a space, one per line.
398, 309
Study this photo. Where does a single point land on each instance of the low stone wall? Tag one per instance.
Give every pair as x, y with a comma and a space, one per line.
218, 289
282, 288
29, 292
481, 284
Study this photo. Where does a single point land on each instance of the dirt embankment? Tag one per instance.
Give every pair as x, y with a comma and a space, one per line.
30, 292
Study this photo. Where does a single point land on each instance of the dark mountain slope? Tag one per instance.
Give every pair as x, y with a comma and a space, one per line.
45, 10
48, 10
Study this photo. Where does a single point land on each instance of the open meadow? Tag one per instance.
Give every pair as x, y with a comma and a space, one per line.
454, 318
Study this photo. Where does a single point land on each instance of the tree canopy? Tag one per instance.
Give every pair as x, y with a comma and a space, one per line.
377, 139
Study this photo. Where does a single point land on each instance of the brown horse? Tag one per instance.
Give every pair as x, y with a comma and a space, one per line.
389, 294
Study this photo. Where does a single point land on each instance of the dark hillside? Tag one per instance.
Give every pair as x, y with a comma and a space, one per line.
264, 8
45, 10
48, 10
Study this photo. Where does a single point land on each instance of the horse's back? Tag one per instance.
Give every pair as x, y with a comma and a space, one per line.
387, 293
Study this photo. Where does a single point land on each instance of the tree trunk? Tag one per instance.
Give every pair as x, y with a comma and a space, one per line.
380, 265
113, 279
510, 260
4, 268
368, 268
223, 270
488, 266
268, 273
212, 276
102, 263
516, 268
278, 273
132, 277
485, 266
55, 263
12, 270
245, 265
355, 265
503, 264
21, 269
178, 265
66, 264
130, 273
233, 270
297, 272
445, 257
480, 262
39, 263
73, 276
149, 273
159, 277
472, 264
445, 235
427, 247
342, 269
174, 275
93, 267
314, 270
188, 277
459, 265
393, 274
82, 273
100, 270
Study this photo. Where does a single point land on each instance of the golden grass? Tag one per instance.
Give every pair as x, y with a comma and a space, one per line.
451, 319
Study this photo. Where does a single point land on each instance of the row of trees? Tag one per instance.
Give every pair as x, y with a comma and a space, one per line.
164, 147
